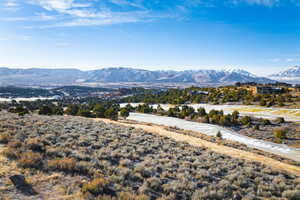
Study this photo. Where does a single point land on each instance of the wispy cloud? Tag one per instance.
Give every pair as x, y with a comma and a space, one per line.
10, 5
274, 60
290, 60
78, 13
264, 2
59, 5
136, 4
70, 13
281, 60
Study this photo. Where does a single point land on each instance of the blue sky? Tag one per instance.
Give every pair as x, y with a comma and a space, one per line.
262, 36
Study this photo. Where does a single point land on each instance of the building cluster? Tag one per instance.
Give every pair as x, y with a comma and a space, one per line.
276, 88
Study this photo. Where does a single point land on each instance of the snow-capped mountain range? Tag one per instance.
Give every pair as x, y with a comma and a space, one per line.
291, 75
36, 76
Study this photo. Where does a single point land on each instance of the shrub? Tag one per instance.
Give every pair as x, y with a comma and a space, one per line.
265, 122
280, 120
45, 110
99, 110
111, 113
5, 138
291, 194
235, 116
84, 113
144, 108
14, 144
280, 133
35, 144
130, 196
31, 160
11, 153
98, 186
124, 112
219, 134
72, 109
262, 102
20, 110
256, 127
63, 164
246, 120
201, 112
154, 183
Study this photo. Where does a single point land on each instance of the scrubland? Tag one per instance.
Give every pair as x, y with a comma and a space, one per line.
76, 158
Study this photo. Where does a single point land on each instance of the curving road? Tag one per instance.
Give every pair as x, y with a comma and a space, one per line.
211, 130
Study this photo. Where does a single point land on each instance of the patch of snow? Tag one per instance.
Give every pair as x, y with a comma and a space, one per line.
212, 130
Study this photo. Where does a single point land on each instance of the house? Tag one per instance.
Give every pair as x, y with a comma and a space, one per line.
267, 90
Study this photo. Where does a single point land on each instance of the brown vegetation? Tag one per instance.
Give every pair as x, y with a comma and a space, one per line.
95, 160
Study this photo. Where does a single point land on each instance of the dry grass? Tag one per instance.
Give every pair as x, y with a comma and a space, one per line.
5, 138
35, 144
213, 146
11, 153
64, 164
31, 160
114, 162
96, 187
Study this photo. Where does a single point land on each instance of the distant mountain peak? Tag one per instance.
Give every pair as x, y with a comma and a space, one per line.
290, 75
240, 71
122, 74
290, 72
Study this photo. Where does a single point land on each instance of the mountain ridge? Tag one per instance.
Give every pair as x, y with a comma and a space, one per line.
290, 75
63, 76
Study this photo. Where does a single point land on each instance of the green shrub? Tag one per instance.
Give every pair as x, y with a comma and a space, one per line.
124, 112
201, 112
45, 110
99, 110
72, 109
219, 134
84, 113
246, 120
111, 113
280, 133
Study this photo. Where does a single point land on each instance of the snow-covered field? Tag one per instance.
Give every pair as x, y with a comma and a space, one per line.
208, 129
255, 111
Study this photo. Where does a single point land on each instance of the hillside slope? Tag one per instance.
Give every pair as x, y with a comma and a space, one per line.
100, 159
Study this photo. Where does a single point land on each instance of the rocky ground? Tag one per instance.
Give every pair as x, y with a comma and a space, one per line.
76, 158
